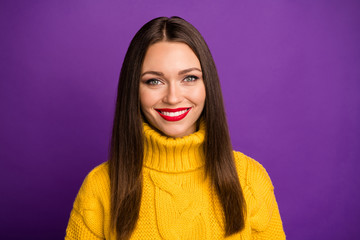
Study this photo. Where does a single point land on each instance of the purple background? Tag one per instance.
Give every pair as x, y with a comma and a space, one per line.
290, 73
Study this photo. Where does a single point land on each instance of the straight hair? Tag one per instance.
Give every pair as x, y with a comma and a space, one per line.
127, 141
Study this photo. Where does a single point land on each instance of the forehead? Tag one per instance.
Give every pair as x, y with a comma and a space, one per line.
167, 56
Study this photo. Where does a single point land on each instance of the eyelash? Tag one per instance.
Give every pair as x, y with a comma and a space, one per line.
151, 81
190, 78
194, 78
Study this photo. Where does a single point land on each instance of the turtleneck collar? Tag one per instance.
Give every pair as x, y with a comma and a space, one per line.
167, 154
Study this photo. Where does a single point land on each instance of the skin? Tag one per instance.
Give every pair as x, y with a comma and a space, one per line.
171, 78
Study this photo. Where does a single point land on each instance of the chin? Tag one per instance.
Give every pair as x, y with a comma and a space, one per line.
175, 132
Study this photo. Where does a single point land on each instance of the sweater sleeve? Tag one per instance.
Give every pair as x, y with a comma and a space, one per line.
87, 216
263, 211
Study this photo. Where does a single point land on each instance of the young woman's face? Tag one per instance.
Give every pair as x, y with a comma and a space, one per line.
172, 90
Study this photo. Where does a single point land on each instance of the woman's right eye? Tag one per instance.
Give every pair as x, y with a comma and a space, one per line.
153, 82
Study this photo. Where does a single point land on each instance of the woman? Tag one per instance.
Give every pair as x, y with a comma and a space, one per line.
172, 173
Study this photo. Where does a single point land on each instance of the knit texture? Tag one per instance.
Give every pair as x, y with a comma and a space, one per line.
178, 201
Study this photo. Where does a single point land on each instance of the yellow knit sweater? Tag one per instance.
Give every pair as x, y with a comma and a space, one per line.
178, 202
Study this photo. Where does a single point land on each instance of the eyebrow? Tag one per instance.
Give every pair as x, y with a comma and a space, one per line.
189, 70
180, 73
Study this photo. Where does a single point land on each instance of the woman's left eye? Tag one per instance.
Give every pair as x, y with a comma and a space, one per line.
191, 78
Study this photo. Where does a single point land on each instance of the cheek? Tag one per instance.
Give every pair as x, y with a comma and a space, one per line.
199, 96
145, 98
148, 98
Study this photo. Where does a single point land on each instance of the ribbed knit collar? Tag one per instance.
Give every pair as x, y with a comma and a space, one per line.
174, 155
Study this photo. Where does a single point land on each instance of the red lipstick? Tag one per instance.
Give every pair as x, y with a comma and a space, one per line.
173, 114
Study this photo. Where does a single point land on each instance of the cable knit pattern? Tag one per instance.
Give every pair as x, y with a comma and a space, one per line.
178, 201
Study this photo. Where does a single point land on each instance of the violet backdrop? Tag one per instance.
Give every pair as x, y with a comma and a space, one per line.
290, 75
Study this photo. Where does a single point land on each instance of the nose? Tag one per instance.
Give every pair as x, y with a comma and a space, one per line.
173, 94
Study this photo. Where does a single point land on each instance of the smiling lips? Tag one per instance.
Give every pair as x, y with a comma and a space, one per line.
173, 114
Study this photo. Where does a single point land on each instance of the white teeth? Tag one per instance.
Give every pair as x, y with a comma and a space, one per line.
174, 114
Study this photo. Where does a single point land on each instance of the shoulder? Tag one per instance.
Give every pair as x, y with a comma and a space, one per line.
99, 174
98, 177
98, 171
258, 191
251, 173
262, 208
92, 203
94, 190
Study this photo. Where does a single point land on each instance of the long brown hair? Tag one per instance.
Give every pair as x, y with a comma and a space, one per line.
126, 149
